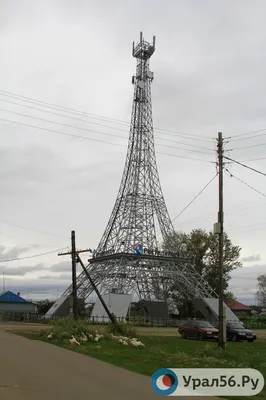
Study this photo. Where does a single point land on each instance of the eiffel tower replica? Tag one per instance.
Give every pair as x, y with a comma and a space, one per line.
129, 257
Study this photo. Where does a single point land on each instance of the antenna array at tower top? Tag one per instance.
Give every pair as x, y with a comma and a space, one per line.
143, 50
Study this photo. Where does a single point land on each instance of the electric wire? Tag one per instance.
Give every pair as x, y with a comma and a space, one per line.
106, 126
95, 116
61, 133
87, 138
248, 147
247, 138
34, 255
240, 180
253, 227
102, 133
210, 216
187, 158
246, 166
254, 159
96, 123
194, 198
248, 133
32, 229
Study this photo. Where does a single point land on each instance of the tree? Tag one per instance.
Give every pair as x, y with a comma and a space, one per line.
229, 295
203, 248
44, 306
261, 292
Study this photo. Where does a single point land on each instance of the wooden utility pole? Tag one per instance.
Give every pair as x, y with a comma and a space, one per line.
76, 259
74, 275
73, 254
222, 330
110, 315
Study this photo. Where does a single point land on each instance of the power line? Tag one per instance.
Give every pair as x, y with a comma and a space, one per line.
248, 147
86, 129
61, 123
246, 166
249, 133
240, 180
192, 201
32, 229
61, 108
62, 115
107, 126
247, 138
34, 255
61, 133
254, 226
95, 116
103, 133
187, 158
79, 137
210, 216
254, 159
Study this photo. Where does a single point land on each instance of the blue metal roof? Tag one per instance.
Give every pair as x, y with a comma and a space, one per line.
9, 297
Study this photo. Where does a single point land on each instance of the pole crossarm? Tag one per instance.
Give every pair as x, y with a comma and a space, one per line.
77, 251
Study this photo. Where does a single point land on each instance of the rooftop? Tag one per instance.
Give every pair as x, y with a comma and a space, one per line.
9, 297
235, 305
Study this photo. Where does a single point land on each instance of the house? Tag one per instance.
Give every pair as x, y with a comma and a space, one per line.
237, 307
11, 303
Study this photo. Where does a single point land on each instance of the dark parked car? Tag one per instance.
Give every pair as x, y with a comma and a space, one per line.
235, 331
198, 329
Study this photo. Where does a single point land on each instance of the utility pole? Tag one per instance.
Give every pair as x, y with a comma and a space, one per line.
222, 330
111, 316
74, 275
75, 255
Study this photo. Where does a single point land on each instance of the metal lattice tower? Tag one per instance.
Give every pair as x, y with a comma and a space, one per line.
128, 257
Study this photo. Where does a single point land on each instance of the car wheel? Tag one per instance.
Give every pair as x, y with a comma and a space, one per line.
201, 337
184, 336
234, 338
250, 340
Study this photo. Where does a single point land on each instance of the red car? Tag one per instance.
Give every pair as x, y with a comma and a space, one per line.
198, 330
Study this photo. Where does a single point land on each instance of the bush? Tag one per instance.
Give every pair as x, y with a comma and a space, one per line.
123, 329
64, 328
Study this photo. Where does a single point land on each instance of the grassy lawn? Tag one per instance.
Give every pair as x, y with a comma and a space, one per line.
163, 351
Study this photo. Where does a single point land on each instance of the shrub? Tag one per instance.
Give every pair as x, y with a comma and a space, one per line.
122, 328
64, 328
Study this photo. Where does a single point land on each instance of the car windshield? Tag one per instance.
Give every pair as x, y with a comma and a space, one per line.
236, 326
204, 324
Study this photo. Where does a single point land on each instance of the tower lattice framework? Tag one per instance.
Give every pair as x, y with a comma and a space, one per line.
128, 257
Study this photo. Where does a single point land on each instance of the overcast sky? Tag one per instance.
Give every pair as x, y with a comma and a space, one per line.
209, 68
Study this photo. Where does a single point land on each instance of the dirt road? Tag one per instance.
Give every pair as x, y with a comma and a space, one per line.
35, 370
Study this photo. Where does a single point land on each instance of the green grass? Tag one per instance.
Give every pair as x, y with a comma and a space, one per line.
169, 352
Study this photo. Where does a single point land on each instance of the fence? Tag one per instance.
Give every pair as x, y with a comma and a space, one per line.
249, 322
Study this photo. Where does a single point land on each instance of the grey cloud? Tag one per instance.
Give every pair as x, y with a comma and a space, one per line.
27, 169
13, 252
63, 266
21, 271
209, 76
55, 277
244, 282
252, 258
36, 288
